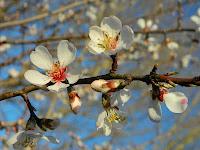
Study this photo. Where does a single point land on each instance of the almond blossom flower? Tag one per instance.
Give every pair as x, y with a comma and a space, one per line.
147, 25
176, 102
109, 118
57, 72
3, 47
110, 37
171, 44
29, 139
196, 19
75, 102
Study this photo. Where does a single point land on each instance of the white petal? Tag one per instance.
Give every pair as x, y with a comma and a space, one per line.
154, 111
107, 129
141, 23
176, 102
173, 45
74, 73
111, 25
51, 139
66, 52
36, 77
100, 120
41, 58
196, 19
149, 23
57, 87
95, 34
97, 85
14, 138
125, 95
94, 48
126, 37
154, 27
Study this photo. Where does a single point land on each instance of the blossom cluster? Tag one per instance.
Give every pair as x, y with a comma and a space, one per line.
60, 74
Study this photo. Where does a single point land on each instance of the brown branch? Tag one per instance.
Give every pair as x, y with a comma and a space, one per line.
147, 79
43, 15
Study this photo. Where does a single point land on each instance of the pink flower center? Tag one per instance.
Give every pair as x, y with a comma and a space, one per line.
184, 101
58, 73
162, 92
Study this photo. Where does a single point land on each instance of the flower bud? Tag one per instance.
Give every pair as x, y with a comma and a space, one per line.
105, 86
74, 101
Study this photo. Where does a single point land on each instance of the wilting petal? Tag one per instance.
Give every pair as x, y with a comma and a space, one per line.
176, 102
50, 139
154, 111
126, 37
96, 34
100, 120
36, 77
57, 87
111, 25
66, 52
141, 23
42, 58
95, 48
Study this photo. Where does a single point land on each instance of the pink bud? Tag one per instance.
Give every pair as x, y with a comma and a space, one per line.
105, 86
74, 101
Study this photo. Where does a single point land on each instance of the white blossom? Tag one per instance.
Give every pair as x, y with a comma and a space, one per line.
13, 72
33, 29
171, 44
176, 102
56, 72
147, 25
196, 19
110, 37
92, 13
29, 139
186, 60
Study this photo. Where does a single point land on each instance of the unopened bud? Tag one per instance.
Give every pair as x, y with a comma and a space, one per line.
105, 86
74, 101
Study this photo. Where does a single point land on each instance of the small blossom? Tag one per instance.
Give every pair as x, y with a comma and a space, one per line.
105, 86
3, 47
61, 17
29, 139
92, 13
171, 44
176, 102
186, 60
56, 72
147, 25
33, 29
196, 19
75, 102
108, 118
110, 36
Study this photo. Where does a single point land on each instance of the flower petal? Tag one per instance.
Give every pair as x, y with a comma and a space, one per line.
126, 37
141, 23
100, 120
74, 73
42, 58
57, 87
96, 34
111, 25
107, 128
36, 77
97, 85
50, 139
14, 138
176, 102
125, 95
94, 48
66, 52
196, 19
154, 111
149, 23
